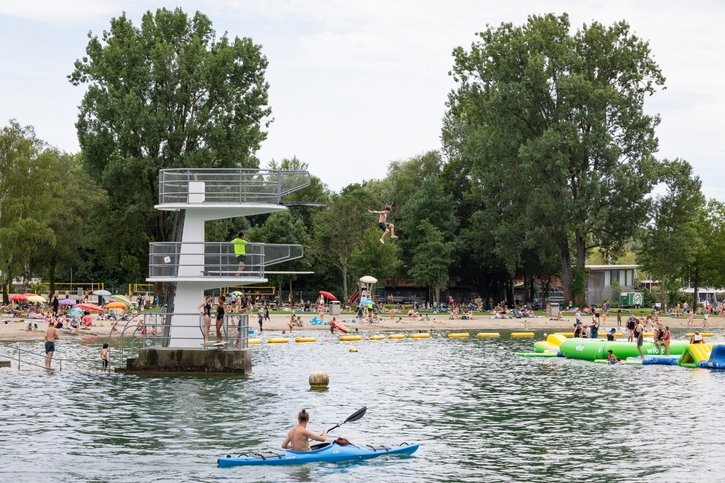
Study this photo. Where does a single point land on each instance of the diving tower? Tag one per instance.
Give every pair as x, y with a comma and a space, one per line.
196, 265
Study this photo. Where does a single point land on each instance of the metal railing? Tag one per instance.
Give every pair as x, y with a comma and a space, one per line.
18, 354
201, 186
155, 331
215, 259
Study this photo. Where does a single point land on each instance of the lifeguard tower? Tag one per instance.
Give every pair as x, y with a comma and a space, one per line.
196, 265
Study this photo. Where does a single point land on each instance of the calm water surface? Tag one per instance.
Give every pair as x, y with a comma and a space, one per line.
480, 413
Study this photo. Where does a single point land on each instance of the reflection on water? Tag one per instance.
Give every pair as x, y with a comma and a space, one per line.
480, 412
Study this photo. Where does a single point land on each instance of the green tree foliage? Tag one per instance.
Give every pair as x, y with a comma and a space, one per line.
165, 94
340, 227
369, 257
671, 240
284, 228
554, 128
432, 259
36, 212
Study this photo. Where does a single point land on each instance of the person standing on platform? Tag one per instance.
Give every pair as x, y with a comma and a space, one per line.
240, 251
205, 308
219, 319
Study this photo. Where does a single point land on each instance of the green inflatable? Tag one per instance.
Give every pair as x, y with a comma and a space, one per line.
592, 349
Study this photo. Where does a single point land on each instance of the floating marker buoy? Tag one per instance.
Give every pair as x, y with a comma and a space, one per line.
352, 349
377, 337
254, 341
396, 336
487, 335
458, 335
350, 338
420, 335
305, 339
319, 380
522, 335
277, 340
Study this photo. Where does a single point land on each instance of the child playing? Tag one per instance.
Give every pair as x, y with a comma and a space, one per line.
105, 356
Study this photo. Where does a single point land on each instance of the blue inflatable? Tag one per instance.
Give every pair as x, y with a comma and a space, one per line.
660, 360
717, 358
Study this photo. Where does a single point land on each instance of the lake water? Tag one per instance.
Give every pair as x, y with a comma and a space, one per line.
479, 412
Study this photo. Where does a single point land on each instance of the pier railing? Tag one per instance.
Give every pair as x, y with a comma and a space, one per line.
215, 259
155, 331
228, 186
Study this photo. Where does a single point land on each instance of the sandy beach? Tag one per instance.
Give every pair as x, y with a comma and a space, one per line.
15, 329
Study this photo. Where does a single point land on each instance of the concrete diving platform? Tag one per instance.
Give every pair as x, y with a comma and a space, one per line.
179, 360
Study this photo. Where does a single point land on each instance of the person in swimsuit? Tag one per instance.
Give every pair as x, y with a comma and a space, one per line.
639, 335
219, 319
666, 338
205, 308
298, 438
383, 223
105, 355
51, 335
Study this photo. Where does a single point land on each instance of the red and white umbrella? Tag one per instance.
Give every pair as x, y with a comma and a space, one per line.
90, 307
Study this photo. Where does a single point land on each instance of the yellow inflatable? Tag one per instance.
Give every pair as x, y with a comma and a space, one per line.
254, 341
277, 340
396, 336
305, 339
487, 335
350, 338
704, 334
420, 335
458, 335
377, 337
522, 335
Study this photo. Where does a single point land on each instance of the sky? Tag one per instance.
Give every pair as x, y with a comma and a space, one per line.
356, 85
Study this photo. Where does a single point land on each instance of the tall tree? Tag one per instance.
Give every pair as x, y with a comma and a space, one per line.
27, 186
165, 94
671, 240
554, 126
340, 227
432, 260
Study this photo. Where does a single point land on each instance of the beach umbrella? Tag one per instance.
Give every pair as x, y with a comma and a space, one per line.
19, 297
115, 305
102, 293
123, 299
89, 307
327, 295
36, 299
367, 302
75, 313
368, 279
67, 302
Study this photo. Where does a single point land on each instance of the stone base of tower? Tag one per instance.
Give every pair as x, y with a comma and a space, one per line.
170, 360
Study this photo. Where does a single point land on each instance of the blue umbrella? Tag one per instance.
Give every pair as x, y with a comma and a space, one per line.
367, 302
75, 313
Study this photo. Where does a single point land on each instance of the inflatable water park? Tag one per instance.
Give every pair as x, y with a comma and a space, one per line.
682, 353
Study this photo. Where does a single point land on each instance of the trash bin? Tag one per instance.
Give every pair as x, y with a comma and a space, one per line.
334, 307
552, 310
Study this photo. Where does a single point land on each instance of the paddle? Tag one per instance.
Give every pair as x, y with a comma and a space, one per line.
352, 418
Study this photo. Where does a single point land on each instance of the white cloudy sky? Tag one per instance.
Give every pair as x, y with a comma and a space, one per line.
356, 84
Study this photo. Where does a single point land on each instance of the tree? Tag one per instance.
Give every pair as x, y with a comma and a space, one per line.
167, 94
27, 185
554, 128
432, 260
340, 227
369, 257
671, 239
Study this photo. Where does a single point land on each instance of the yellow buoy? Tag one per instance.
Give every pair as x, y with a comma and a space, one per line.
396, 336
568, 335
522, 335
704, 334
254, 341
420, 335
377, 337
488, 335
352, 349
305, 339
350, 338
458, 335
616, 334
648, 334
319, 380
277, 340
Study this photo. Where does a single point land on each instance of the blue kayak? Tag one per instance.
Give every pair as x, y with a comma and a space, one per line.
327, 452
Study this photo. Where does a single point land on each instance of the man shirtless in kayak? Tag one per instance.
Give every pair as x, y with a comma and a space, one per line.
298, 438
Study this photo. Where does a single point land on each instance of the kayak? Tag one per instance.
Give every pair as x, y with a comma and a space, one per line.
326, 452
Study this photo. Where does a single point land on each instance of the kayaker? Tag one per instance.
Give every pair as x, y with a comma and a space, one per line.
298, 438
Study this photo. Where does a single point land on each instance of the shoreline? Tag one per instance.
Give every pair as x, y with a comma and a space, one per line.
15, 329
